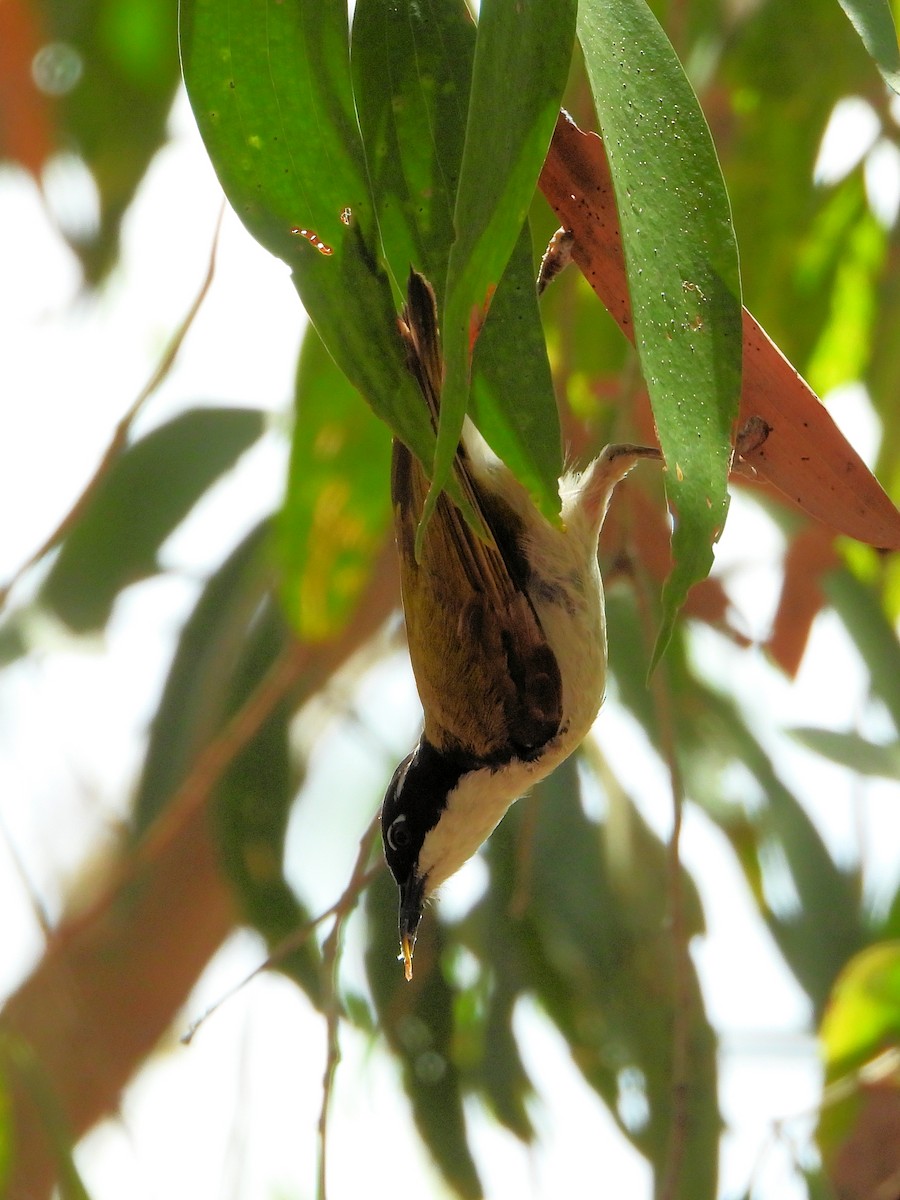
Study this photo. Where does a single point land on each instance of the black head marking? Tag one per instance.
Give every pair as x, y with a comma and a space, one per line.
414, 801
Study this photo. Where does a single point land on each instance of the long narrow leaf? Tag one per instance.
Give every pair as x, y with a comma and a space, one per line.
682, 268
253, 804
853, 751
145, 494
412, 73
875, 637
596, 950
270, 87
512, 401
412, 70
193, 704
227, 645
873, 20
521, 65
822, 924
337, 508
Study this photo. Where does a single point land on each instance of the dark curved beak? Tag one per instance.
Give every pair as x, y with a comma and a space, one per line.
412, 897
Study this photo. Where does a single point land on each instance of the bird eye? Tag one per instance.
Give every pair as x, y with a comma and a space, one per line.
398, 836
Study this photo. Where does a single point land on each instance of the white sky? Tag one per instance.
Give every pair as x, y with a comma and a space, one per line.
234, 1115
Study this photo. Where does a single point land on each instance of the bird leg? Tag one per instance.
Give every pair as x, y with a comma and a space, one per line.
612, 464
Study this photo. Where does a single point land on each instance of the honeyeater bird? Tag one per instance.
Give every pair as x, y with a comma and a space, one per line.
506, 632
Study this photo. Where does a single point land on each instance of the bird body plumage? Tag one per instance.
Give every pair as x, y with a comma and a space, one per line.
506, 632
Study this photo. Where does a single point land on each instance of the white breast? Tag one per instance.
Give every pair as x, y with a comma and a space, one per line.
567, 595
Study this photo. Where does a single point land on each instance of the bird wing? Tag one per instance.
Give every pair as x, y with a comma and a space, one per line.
488, 679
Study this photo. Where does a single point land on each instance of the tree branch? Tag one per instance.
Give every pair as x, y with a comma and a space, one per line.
114, 976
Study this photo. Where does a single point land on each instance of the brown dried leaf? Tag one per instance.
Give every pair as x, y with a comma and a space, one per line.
809, 556
26, 115
805, 455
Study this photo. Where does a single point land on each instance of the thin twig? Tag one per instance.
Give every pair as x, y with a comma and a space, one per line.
681, 965
297, 660
881, 1070
359, 880
294, 941
37, 905
681, 962
218, 754
123, 924
123, 428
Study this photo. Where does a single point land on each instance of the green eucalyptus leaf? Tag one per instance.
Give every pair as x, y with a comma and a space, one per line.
193, 703
863, 1014
810, 904
253, 804
521, 66
594, 947
412, 70
144, 495
862, 1021
873, 20
853, 751
875, 638
412, 75
682, 265
513, 401
416, 1019
112, 73
271, 89
228, 643
337, 508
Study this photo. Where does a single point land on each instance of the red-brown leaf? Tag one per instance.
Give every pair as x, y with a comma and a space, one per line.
805, 455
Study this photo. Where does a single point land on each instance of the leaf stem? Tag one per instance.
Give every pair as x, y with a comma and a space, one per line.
661, 692
360, 877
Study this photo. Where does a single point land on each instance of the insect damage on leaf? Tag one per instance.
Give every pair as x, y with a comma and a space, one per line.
314, 240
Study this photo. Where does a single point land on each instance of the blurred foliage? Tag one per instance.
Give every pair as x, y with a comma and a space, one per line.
6, 1128
333, 521
860, 1038
575, 916
679, 246
20, 1066
90, 84
137, 503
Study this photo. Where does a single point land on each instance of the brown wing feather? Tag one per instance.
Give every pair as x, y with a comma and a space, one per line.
488, 680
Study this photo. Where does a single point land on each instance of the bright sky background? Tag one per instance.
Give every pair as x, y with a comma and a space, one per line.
234, 1115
